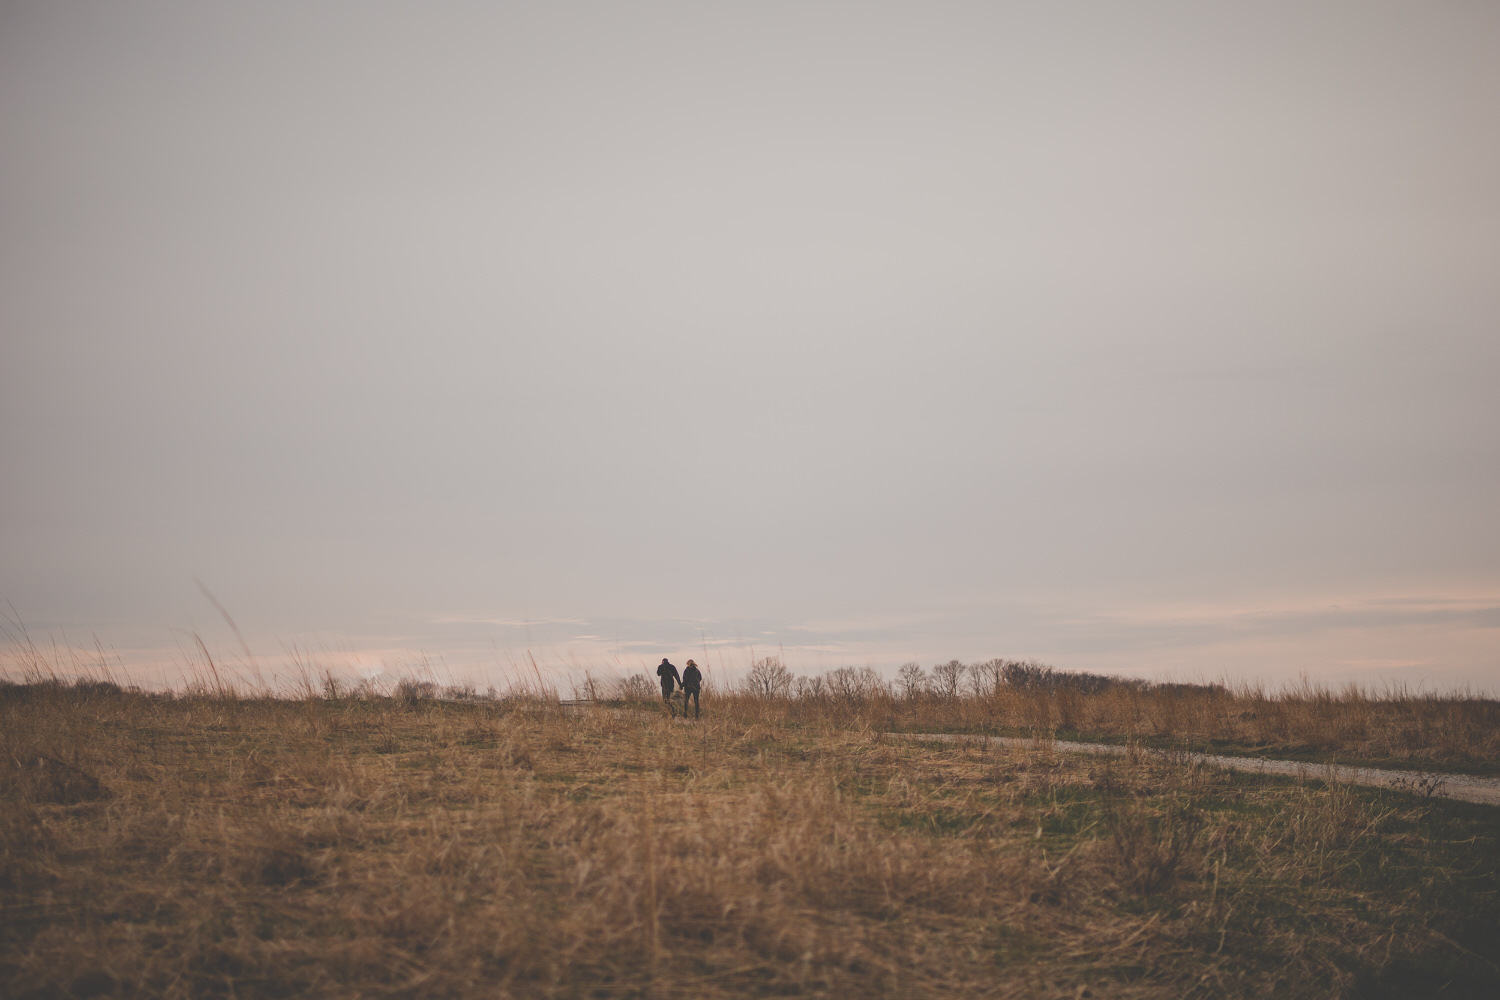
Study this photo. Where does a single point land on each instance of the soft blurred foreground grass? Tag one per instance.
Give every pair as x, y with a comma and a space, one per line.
218, 846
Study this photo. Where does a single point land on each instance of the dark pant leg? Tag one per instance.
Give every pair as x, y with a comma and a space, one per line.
666, 696
693, 694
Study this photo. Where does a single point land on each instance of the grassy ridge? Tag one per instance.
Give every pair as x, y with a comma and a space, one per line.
221, 846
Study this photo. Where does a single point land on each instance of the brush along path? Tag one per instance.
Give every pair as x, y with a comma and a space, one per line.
1467, 788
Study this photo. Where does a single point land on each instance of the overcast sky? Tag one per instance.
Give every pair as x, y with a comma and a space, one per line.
1159, 338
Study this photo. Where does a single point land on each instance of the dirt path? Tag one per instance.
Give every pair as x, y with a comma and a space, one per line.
1454, 786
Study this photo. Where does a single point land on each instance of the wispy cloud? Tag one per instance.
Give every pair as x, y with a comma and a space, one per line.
464, 619
1210, 624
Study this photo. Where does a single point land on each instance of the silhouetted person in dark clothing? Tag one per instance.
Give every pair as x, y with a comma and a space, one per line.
692, 682
668, 675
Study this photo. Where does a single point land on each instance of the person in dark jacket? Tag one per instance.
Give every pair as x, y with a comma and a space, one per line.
668, 674
692, 682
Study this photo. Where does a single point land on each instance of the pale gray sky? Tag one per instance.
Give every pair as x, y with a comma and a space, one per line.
1150, 337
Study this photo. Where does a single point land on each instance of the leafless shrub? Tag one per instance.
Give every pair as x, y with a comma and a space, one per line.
411, 692
1423, 785
460, 692
590, 689
635, 688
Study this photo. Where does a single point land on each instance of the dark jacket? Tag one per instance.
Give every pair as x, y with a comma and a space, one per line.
668, 673
692, 678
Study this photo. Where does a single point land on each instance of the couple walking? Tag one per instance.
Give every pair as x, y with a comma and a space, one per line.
691, 681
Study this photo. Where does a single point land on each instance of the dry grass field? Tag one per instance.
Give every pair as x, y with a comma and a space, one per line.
219, 845
1457, 733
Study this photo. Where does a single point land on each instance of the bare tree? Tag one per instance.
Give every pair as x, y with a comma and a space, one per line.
853, 685
913, 680
984, 678
768, 678
947, 677
811, 688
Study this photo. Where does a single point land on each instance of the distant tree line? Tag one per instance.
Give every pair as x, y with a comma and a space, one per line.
770, 678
